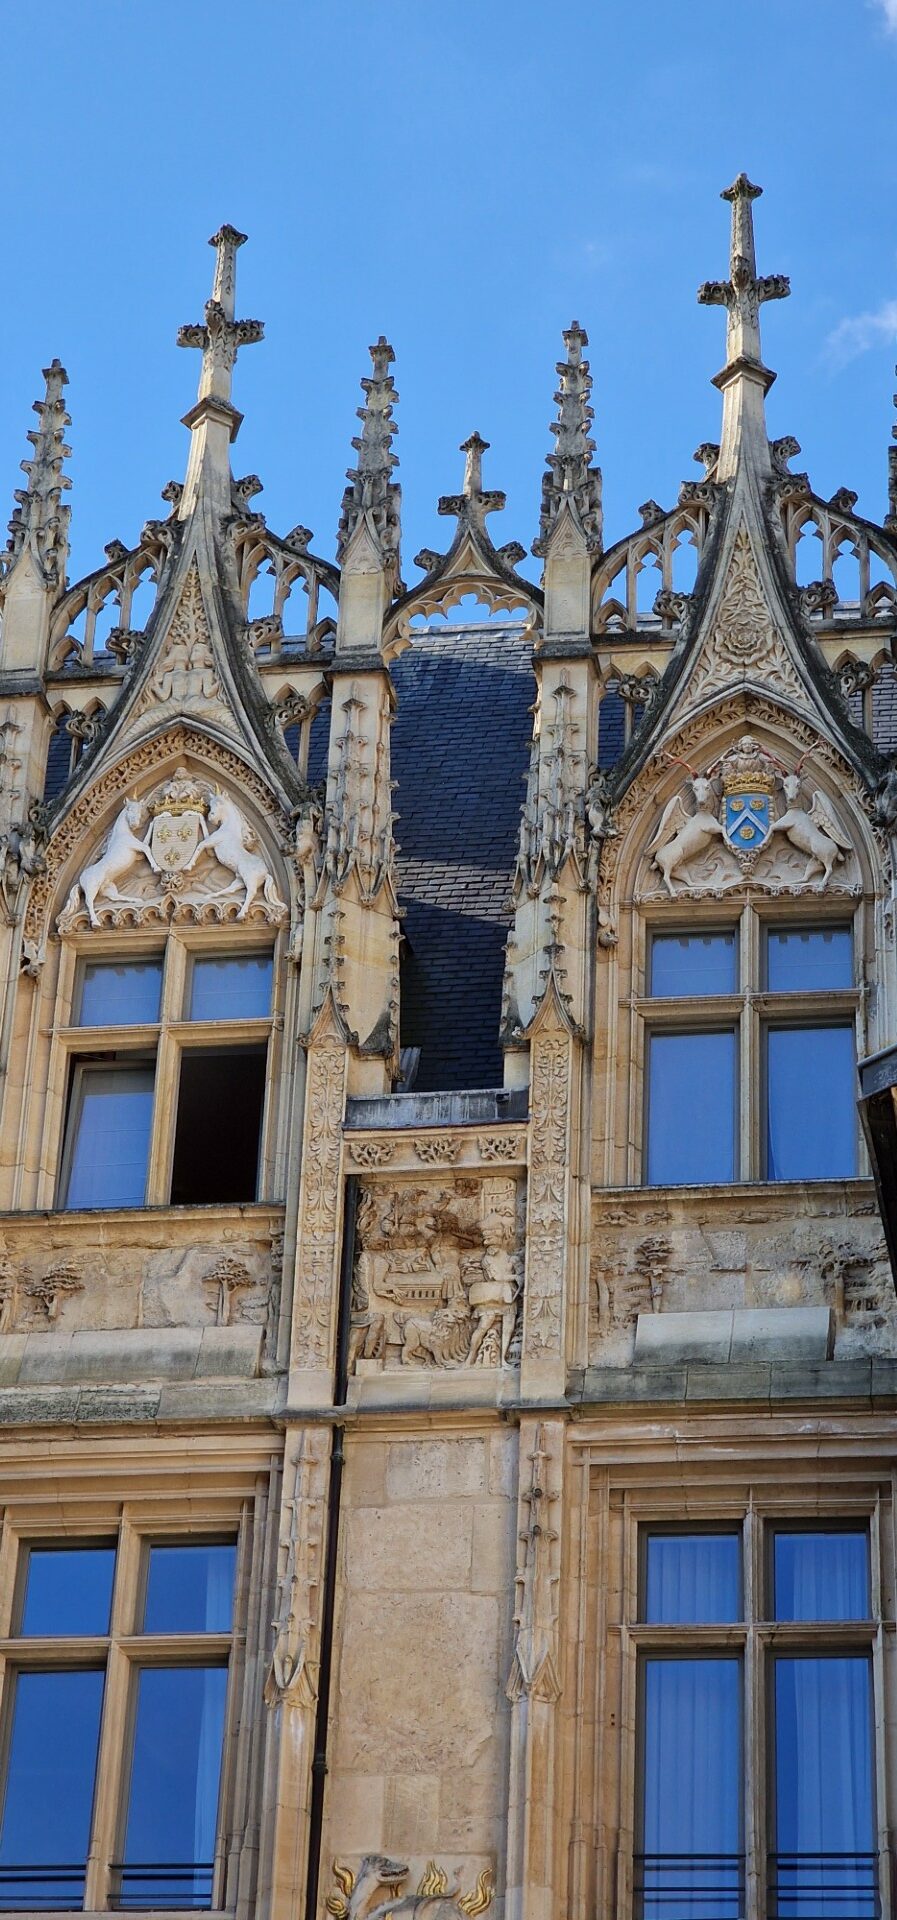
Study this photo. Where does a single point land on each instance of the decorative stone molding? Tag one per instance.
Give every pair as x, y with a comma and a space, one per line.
181, 823
547, 1212
319, 1193
437, 1275
534, 1666
744, 641
462, 1147
292, 1676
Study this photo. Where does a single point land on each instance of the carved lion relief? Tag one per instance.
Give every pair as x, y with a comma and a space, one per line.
749, 818
185, 852
438, 1275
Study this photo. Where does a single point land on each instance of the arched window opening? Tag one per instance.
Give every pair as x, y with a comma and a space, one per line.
846, 574
808, 555
143, 600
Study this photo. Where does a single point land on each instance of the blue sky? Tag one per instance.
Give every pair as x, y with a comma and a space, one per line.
467, 178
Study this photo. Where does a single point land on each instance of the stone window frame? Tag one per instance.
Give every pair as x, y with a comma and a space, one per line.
751, 1011
607, 1637
123, 1652
166, 1039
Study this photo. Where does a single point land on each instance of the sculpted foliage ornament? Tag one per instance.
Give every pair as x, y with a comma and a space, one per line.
744, 642
156, 844
722, 828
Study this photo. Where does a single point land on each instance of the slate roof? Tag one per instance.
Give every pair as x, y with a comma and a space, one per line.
460, 750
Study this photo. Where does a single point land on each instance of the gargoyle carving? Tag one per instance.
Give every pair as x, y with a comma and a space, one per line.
374, 1893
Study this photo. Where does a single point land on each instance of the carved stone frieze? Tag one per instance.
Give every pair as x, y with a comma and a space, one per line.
461, 1147
438, 1274
763, 1247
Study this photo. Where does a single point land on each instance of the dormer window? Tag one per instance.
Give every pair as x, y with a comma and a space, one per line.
167, 1067
750, 1052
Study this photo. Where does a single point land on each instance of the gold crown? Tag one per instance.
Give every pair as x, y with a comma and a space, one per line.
756, 782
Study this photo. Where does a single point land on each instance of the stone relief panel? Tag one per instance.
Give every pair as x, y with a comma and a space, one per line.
747, 818
438, 1274
60, 1281
183, 852
654, 1253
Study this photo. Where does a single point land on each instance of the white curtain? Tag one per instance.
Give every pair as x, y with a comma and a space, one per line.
692, 1788
824, 1791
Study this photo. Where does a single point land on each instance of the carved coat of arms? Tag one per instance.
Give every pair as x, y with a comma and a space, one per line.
748, 817
176, 826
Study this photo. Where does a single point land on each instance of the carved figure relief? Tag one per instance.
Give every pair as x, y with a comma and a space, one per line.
438, 1275
375, 1893
144, 870
723, 828
744, 642
185, 673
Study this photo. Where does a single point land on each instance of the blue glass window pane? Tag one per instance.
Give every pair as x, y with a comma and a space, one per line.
68, 1590
235, 988
693, 1578
811, 1131
173, 1802
824, 1864
821, 1576
120, 996
808, 959
693, 963
112, 1114
190, 1589
49, 1788
691, 1108
692, 1791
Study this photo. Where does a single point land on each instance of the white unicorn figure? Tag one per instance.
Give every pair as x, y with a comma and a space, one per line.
121, 850
234, 846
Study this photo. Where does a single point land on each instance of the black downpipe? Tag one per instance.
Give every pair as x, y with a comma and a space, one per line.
328, 1602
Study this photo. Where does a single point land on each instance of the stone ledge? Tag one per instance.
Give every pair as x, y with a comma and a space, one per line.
735, 1335
127, 1357
867, 1381
185, 1404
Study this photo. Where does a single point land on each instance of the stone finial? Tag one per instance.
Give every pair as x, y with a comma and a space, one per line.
372, 495
39, 522
570, 475
744, 292
473, 503
221, 335
744, 380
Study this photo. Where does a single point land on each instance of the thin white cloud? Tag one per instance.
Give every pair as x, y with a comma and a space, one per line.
857, 333
888, 11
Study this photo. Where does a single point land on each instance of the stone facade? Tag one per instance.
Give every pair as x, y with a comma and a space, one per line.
451, 1353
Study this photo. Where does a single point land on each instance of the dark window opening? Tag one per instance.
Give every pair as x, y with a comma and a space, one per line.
219, 1124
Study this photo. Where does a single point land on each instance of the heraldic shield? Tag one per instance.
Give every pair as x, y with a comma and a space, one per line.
747, 820
174, 838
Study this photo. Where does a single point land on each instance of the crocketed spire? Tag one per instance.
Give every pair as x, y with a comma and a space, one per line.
571, 478
372, 495
39, 523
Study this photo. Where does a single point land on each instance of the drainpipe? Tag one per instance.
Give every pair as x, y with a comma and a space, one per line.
328, 1602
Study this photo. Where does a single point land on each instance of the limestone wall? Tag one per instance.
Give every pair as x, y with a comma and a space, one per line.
420, 1719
